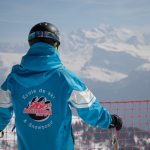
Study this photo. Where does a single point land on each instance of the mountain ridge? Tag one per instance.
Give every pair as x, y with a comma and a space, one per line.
112, 60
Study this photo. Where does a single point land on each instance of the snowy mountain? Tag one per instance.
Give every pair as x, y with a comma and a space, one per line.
7, 60
114, 62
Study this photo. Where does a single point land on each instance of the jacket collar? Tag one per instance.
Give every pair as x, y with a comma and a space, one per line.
41, 57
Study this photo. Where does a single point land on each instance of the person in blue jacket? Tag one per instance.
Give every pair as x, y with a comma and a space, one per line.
41, 91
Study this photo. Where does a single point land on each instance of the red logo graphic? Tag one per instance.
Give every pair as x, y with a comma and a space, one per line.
39, 109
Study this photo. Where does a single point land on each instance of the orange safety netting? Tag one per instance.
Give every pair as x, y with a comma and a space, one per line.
135, 134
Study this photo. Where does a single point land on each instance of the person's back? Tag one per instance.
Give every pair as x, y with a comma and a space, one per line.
39, 97
42, 91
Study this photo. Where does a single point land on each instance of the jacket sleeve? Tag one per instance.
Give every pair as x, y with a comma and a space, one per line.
6, 109
87, 106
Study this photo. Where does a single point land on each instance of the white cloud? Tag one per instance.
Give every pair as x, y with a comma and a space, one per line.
94, 33
141, 51
8, 60
81, 46
144, 67
135, 43
102, 74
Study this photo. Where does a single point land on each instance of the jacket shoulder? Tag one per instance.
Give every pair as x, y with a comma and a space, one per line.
73, 80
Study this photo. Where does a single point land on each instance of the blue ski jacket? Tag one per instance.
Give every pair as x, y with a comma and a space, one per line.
41, 92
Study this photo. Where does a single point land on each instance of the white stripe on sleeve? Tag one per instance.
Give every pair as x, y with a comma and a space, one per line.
5, 99
82, 99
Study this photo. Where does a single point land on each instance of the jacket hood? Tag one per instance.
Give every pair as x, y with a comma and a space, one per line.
41, 57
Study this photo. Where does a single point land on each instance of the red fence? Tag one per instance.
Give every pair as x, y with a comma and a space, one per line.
135, 134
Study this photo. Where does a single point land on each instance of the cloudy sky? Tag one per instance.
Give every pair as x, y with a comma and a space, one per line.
18, 16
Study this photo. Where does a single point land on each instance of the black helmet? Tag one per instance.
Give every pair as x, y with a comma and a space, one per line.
44, 32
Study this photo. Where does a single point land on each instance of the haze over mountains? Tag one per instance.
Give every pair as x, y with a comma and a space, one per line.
114, 62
